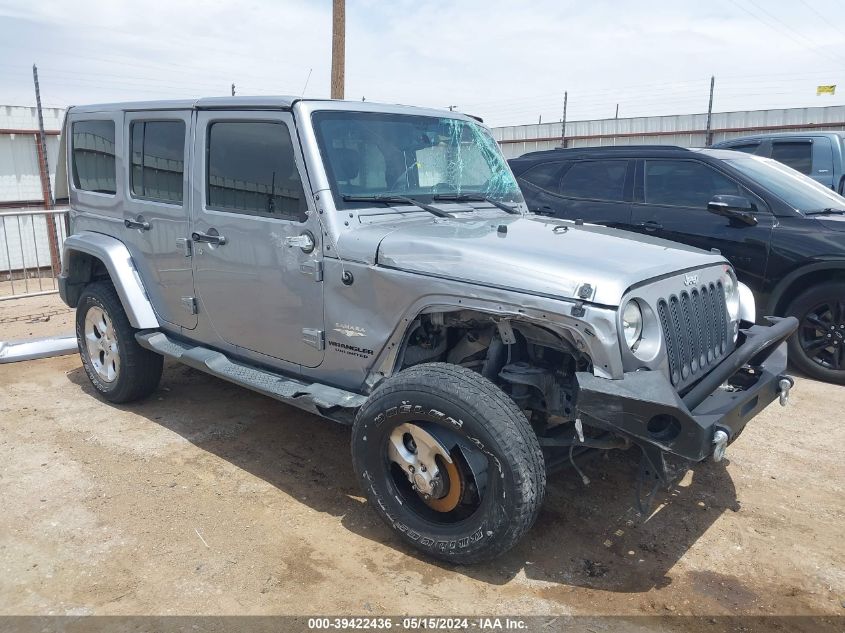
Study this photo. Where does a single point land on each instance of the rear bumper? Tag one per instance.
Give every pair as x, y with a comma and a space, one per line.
645, 406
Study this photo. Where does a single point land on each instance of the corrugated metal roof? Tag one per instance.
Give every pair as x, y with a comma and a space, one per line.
687, 130
19, 174
26, 118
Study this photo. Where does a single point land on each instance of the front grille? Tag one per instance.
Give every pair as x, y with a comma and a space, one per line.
695, 326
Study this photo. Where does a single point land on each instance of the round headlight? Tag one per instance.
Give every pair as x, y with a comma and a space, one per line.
632, 323
729, 283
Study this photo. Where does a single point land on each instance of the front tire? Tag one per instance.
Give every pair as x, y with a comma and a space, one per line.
818, 347
117, 366
490, 474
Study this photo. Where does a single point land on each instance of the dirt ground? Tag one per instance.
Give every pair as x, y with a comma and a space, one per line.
209, 499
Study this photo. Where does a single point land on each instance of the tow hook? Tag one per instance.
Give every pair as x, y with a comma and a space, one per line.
784, 385
720, 445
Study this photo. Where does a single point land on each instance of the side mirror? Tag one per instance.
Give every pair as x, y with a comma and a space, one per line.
737, 208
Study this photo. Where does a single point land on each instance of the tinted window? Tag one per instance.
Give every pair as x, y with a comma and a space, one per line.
93, 156
798, 191
546, 176
685, 183
251, 169
595, 180
158, 159
798, 155
748, 148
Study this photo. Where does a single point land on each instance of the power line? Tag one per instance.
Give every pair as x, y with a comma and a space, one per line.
788, 31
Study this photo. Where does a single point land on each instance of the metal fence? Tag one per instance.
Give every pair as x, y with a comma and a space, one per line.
30, 251
686, 130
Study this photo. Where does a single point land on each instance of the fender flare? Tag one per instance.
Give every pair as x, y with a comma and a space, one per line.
780, 289
118, 262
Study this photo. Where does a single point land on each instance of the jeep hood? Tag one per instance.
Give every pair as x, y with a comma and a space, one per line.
537, 255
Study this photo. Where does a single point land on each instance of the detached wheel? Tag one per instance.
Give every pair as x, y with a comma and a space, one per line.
119, 368
449, 462
818, 346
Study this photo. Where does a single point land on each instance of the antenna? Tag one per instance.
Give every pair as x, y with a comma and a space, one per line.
307, 79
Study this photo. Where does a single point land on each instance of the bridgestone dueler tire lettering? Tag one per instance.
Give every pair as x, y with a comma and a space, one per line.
475, 408
140, 369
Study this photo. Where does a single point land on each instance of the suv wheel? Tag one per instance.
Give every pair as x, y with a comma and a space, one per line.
818, 347
119, 368
449, 462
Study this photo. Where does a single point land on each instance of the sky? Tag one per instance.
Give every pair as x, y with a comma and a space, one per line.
509, 62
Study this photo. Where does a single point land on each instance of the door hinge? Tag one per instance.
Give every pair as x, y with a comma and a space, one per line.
314, 338
312, 267
184, 246
190, 304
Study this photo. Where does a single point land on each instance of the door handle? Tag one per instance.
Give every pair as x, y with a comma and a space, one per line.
140, 223
209, 238
651, 225
305, 241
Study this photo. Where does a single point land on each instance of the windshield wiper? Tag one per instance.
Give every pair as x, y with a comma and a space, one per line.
476, 197
827, 211
390, 198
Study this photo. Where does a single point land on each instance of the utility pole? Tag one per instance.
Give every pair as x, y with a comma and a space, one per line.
563, 121
233, 90
709, 137
617, 111
44, 169
338, 48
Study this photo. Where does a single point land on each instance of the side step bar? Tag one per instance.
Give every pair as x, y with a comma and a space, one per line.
329, 402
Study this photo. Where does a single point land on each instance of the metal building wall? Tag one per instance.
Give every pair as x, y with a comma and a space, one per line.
20, 181
686, 130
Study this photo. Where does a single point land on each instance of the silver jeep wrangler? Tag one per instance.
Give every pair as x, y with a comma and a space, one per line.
376, 265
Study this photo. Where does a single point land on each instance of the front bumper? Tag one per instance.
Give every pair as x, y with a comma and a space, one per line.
645, 406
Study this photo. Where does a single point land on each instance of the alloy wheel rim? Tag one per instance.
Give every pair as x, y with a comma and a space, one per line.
101, 344
822, 334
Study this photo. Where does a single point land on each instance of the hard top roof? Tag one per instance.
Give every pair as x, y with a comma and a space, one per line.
261, 103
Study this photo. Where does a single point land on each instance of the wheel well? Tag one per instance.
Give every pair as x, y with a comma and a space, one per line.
804, 282
82, 269
531, 363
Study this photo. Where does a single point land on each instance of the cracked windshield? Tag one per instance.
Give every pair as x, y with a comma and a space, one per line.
376, 154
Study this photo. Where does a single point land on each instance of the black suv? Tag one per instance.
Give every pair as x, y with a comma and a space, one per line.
783, 232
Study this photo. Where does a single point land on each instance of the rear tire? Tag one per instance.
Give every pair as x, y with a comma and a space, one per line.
117, 366
818, 347
502, 478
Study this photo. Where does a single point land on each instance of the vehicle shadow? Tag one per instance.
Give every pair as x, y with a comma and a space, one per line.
586, 536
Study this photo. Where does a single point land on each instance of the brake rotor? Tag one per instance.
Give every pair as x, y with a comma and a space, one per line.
428, 465
450, 500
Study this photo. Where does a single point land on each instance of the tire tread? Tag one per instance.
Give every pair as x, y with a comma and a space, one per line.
140, 368
504, 421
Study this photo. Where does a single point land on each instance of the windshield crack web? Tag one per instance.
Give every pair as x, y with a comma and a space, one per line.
501, 183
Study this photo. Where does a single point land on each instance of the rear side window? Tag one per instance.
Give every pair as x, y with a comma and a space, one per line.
92, 152
251, 169
796, 154
545, 176
748, 148
595, 180
685, 183
158, 160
